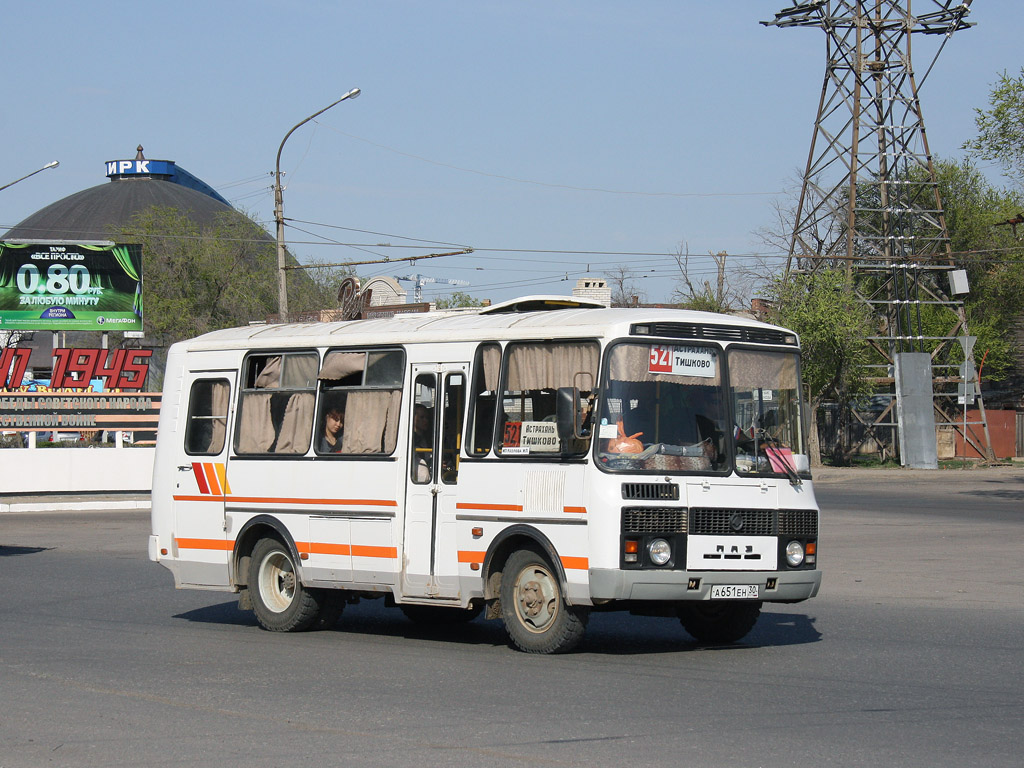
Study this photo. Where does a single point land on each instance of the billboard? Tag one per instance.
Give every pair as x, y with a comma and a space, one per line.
75, 287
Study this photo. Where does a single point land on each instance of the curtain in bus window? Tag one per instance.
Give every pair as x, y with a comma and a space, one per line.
548, 366
256, 428
491, 356
338, 365
366, 417
630, 362
297, 425
299, 371
219, 423
270, 376
391, 427
760, 369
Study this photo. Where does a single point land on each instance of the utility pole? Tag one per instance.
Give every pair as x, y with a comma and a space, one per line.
282, 282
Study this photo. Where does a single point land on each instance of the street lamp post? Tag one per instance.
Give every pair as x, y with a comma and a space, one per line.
52, 164
282, 283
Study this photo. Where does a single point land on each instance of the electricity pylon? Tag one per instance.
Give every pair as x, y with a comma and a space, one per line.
870, 199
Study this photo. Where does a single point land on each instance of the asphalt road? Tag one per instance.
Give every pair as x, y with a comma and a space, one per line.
912, 655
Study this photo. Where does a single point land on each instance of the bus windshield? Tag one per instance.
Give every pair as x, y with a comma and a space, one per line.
765, 398
663, 409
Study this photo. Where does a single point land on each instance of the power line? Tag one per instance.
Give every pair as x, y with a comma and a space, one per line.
550, 185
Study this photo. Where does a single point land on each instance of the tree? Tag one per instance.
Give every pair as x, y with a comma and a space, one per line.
457, 299
625, 290
201, 278
833, 323
702, 297
1001, 126
977, 217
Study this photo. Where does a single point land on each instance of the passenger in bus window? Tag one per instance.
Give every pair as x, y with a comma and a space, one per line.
334, 425
422, 427
422, 442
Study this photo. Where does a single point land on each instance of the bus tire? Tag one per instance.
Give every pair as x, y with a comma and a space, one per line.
440, 616
715, 623
536, 616
279, 600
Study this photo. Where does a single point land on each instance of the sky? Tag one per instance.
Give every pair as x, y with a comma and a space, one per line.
559, 139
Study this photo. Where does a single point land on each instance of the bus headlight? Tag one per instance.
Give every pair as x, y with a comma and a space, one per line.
795, 553
660, 551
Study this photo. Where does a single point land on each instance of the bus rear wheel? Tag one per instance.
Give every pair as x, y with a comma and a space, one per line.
716, 623
536, 616
279, 600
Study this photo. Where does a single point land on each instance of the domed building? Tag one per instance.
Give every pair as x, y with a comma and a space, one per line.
103, 211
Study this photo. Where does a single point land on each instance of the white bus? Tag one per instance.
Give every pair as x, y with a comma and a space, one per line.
540, 459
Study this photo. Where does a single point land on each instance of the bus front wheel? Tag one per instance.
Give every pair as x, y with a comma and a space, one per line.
719, 623
536, 616
279, 600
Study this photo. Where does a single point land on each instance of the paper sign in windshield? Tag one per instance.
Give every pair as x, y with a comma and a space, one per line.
683, 361
540, 436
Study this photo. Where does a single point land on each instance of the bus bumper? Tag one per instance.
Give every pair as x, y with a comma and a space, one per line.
789, 586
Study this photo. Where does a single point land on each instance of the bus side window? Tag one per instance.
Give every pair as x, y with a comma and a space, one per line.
207, 417
483, 399
423, 432
276, 403
451, 430
364, 387
533, 373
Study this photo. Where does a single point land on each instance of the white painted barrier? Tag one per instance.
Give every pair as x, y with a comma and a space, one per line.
76, 470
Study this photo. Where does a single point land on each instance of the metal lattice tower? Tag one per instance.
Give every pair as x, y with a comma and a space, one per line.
869, 199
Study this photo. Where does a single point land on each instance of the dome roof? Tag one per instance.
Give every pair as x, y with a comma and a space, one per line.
101, 212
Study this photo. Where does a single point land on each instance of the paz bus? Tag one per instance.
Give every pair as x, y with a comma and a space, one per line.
539, 460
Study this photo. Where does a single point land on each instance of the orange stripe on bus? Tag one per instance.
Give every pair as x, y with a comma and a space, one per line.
575, 510
575, 563
264, 500
491, 507
217, 544
471, 557
317, 548
222, 475
362, 550
346, 502
211, 478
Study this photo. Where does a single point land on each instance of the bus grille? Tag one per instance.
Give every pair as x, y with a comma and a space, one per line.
650, 491
732, 522
754, 522
653, 520
798, 522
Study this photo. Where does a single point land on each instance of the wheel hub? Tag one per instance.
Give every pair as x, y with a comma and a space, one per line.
536, 599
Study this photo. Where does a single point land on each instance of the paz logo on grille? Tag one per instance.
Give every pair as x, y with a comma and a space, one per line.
736, 522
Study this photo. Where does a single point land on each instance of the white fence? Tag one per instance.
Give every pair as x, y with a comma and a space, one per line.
76, 470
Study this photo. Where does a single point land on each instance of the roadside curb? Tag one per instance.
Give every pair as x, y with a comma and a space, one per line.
75, 505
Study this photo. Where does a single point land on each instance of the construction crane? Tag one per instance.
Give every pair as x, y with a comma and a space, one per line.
418, 281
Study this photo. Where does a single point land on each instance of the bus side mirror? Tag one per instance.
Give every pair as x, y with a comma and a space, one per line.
567, 413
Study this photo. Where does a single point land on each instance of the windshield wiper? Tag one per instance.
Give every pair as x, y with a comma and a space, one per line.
786, 461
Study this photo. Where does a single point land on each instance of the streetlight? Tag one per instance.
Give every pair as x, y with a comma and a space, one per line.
282, 283
52, 164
